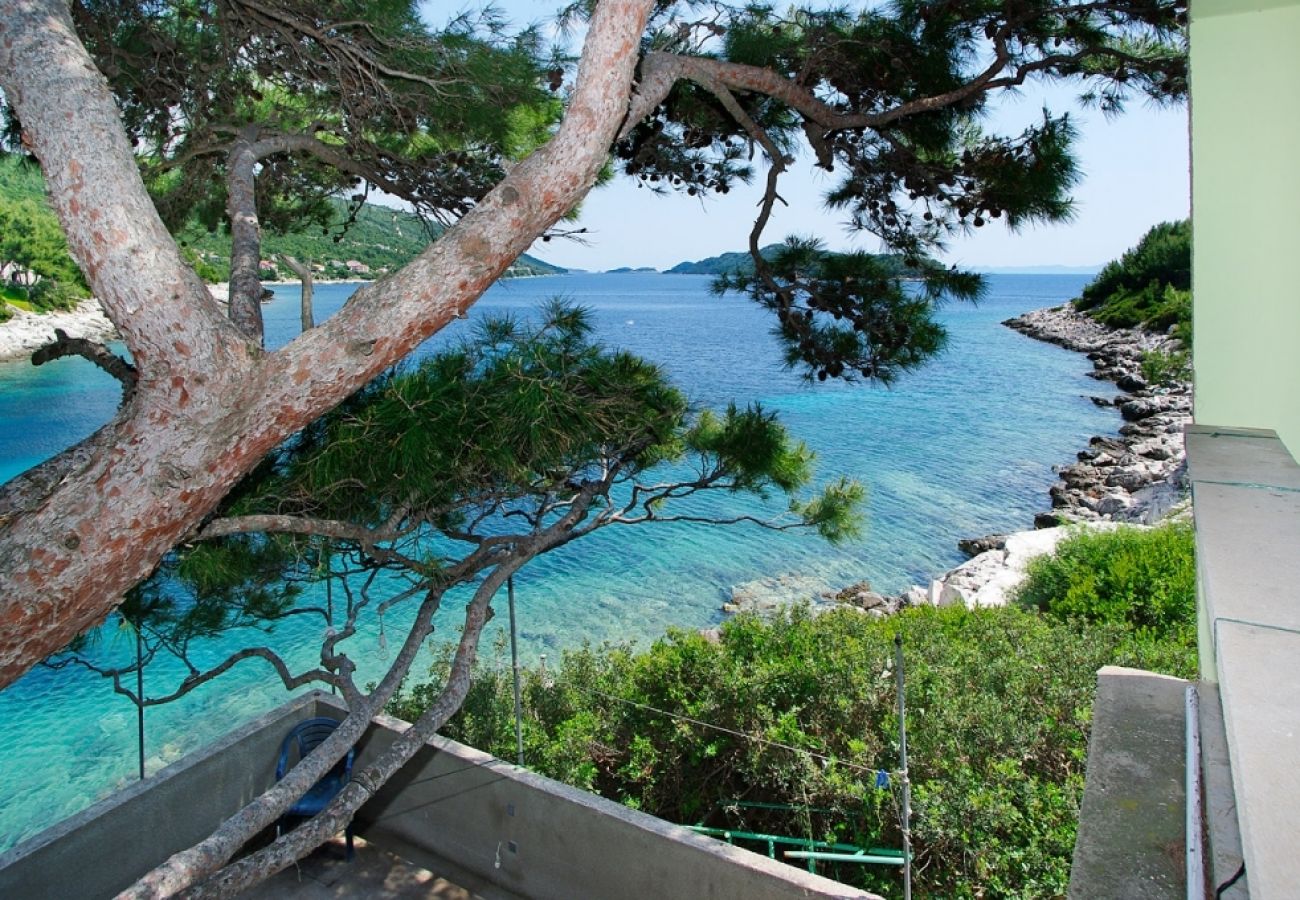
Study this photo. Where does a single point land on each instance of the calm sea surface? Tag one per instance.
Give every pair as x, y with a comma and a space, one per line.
962, 448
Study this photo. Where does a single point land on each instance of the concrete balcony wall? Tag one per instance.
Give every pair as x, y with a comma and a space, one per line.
1246, 496
453, 809
467, 812
103, 849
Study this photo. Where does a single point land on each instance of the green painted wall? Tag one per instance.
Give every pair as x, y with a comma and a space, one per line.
1246, 214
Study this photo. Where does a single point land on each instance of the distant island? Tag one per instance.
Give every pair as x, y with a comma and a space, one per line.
621, 270
741, 262
724, 264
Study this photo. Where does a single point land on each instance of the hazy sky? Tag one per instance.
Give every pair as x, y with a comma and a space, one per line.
1135, 173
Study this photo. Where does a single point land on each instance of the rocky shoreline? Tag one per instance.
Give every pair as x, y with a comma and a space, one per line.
1138, 477
28, 332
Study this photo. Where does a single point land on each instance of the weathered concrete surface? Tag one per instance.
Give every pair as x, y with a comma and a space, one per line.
1246, 493
487, 828
374, 874
469, 815
1259, 677
1130, 843
1223, 834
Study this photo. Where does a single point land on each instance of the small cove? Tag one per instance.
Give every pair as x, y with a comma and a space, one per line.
964, 447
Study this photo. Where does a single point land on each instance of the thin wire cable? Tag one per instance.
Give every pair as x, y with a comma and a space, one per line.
830, 760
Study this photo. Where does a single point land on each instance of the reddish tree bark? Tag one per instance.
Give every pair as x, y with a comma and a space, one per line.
79, 530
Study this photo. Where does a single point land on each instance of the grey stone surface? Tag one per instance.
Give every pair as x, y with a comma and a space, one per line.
1130, 843
1222, 833
487, 828
1259, 681
1246, 495
1240, 456
1248, 553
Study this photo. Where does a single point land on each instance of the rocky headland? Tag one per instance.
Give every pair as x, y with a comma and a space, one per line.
1137, 477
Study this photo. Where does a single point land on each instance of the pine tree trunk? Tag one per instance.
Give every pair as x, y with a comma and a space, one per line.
80, 530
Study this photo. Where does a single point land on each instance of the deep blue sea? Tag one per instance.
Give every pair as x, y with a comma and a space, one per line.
962, 448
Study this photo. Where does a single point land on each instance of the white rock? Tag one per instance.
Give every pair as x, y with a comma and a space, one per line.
990, 578
27, 332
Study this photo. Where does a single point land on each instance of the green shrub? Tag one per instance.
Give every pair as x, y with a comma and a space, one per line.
1162, 256
999, 708
1144, 578
1166, 368
49, 294
1149, 286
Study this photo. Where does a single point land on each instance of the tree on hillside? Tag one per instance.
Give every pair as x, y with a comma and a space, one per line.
1149, 286
34, 254
681, 93
252, 115
456, 471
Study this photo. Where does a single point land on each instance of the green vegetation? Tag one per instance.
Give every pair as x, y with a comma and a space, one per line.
1144, 579
851, 315
457, 468
33, 253
1166, 369
999, 709
724, 264
380, 238
1149, 286
999, 706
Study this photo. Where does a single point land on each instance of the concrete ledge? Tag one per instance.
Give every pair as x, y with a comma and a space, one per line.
467, 813
103, 849
1130, 842
497, 830
1259, 679
1246, 497
1221, 829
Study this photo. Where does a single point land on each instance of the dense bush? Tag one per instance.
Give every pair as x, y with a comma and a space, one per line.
999, 708
1166, 368
1142, 578
1149, 286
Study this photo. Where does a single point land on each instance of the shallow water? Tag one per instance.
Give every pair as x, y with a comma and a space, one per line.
964, 447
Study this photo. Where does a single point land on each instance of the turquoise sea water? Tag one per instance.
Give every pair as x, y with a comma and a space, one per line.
962, 448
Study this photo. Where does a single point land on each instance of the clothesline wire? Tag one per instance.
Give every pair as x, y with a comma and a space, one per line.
830, 760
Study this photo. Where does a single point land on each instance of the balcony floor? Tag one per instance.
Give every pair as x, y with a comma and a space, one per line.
374, 874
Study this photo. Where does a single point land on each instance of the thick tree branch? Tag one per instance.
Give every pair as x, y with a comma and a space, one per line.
209, 407
134, 268
365, 783
94, 351
265, 523
245, 236
191, 866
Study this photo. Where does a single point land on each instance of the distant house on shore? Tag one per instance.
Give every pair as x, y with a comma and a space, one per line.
356, 267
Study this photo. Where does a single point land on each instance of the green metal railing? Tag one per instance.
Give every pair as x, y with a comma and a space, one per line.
811, 850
